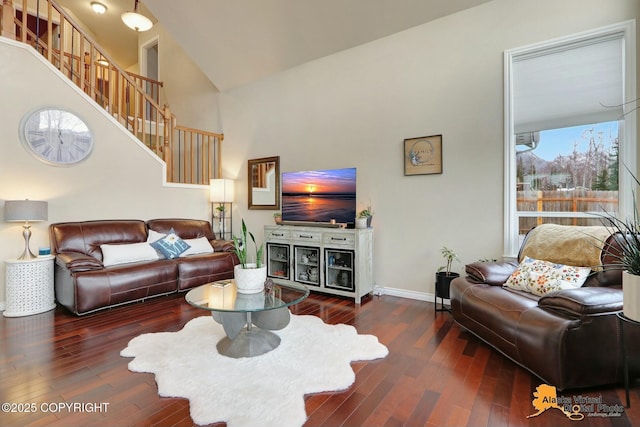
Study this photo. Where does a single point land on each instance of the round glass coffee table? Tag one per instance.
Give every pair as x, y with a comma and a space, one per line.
247, 319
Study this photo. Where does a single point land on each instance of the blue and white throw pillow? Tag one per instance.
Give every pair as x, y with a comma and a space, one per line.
171, 245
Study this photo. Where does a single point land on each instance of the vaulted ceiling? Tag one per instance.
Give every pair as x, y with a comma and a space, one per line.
237, 42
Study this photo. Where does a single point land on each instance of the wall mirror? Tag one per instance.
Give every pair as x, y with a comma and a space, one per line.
264, 183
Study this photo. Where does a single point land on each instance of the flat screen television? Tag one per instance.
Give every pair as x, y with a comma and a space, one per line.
320, 196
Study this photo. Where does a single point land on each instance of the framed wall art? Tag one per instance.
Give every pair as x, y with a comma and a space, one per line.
423, 156
264, 183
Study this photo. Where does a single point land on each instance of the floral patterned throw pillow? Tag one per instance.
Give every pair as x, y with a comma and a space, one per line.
541, 277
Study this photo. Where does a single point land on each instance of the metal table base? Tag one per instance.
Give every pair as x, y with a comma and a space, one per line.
249, 334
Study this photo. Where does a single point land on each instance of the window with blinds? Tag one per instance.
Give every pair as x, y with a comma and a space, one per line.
567, 130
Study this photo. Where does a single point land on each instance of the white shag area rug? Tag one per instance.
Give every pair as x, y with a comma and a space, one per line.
266, 390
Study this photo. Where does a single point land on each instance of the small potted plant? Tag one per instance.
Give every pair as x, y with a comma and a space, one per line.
277, 217
250, 277
363, 220
444, 275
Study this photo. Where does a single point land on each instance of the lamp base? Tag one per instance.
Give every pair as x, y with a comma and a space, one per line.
26, 233
27, 255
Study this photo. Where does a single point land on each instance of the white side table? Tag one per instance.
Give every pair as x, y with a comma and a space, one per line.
29, 286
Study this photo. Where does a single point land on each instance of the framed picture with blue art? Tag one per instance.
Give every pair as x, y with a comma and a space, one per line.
423, 156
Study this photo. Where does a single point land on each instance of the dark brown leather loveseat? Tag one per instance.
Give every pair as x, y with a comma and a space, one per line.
83, 284
569, 338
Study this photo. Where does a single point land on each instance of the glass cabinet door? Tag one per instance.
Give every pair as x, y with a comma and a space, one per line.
278, 260
306, 265
339, 271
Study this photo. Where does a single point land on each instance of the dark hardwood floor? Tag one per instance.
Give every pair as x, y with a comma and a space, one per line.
436, 374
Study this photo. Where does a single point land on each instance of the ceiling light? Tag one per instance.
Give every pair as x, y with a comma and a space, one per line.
98, 8
135, 20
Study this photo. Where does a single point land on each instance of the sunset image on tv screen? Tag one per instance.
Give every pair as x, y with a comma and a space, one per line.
319, 196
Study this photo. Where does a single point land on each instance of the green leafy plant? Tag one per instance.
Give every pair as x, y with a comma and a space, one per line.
629, 241
365, 213
240, 247
628, 237
450, 256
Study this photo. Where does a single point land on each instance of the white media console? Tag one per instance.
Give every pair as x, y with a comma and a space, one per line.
338, 261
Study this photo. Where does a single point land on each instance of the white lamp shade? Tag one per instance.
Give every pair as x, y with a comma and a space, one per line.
25, 210
136, 21
221, 191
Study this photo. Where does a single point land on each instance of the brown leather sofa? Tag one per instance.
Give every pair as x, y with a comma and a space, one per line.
84, 285
569, 338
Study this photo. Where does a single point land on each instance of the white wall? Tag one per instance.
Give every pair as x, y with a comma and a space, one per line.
356, 107
121, 179
190, 94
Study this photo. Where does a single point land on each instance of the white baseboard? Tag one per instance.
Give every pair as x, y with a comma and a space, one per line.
403, 293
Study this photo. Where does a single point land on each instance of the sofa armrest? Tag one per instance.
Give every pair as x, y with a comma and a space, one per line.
76, 261
222, 245
584, 301
491, 273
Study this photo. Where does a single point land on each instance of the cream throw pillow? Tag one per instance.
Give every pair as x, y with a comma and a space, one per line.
113, 254
200, 245
154, 236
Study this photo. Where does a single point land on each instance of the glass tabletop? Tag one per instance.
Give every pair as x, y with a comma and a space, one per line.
224, 296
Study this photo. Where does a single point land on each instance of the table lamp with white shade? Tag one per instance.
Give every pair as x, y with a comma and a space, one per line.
25, 211
221, 192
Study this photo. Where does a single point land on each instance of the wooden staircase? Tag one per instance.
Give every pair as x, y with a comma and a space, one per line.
192, 156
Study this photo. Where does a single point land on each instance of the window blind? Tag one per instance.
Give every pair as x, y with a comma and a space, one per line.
571, 85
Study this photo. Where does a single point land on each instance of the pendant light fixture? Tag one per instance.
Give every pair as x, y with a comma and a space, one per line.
135, 20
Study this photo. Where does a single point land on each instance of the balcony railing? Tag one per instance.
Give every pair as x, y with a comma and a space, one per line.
192, 156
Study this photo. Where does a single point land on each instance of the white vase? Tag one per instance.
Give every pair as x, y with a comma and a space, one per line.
361, 222
631, 296
250, 280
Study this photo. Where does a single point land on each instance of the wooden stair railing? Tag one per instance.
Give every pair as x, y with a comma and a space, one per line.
197, 154
192, 156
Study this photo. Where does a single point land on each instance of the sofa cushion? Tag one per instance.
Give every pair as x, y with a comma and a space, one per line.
127, 252
171, 245
123, 283
197, 270
87, 236
542, 277
185, 228
584, 301
492, 312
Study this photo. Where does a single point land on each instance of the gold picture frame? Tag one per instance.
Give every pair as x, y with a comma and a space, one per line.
423, 156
